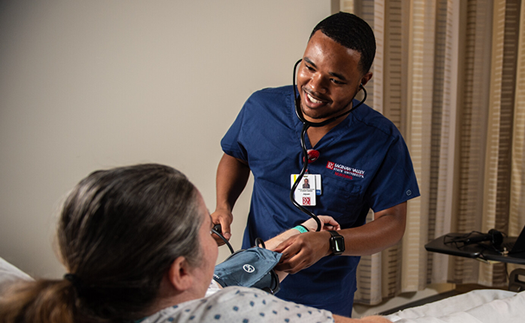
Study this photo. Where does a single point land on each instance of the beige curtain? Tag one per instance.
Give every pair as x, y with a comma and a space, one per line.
451, 75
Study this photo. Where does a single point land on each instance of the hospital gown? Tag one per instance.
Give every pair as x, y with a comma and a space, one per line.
240, 304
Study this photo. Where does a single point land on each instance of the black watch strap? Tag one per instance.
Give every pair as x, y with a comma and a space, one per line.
337, 243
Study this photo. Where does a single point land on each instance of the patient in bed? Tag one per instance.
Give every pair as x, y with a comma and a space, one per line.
137, 247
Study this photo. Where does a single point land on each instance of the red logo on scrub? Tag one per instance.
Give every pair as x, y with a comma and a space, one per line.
330, 165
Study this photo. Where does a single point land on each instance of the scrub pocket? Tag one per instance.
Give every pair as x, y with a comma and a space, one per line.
341, 196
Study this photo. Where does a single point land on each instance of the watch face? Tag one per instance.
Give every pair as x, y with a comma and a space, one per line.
337, 245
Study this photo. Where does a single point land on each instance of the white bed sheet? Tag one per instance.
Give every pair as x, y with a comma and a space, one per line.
486, 306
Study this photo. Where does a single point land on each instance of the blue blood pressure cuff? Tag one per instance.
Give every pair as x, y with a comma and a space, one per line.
250, 268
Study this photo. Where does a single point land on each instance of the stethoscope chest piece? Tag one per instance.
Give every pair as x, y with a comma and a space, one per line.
313, 155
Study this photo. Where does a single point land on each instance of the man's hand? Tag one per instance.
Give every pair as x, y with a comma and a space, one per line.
224, 218
303, 250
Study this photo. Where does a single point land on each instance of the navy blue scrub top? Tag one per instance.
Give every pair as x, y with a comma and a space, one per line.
364, 164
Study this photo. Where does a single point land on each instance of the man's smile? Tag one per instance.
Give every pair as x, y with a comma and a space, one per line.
314, 101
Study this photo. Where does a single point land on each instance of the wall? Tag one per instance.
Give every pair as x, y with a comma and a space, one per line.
96, 84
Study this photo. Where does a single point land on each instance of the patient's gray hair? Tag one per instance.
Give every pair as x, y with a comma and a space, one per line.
119, 231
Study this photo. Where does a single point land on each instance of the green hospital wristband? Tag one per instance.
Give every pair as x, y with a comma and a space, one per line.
301, 228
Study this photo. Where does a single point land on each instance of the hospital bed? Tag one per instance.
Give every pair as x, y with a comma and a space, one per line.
487, 306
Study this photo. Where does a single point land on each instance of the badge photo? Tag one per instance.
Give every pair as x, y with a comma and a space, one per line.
305, 193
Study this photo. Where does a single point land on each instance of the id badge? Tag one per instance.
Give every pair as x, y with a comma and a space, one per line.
307, 190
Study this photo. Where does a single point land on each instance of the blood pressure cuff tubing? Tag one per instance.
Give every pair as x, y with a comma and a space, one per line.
250, 268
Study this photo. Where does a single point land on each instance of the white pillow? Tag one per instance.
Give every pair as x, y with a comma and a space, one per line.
10, 274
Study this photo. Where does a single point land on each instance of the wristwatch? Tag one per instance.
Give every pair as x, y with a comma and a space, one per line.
337, 243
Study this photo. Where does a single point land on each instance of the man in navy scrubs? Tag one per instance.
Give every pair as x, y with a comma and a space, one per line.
363, 164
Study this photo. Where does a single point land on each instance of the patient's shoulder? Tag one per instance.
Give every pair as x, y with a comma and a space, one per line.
240, 304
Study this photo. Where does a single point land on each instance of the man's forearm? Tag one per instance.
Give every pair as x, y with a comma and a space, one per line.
386, 230
232, 176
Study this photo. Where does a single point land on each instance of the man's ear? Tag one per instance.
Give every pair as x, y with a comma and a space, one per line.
179, 275
366, 78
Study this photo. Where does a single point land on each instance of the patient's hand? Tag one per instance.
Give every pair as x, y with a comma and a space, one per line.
327, 223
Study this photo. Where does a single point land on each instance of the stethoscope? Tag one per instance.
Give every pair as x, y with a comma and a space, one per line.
306, 158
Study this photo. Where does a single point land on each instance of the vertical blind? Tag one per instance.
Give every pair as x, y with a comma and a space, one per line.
450, 74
